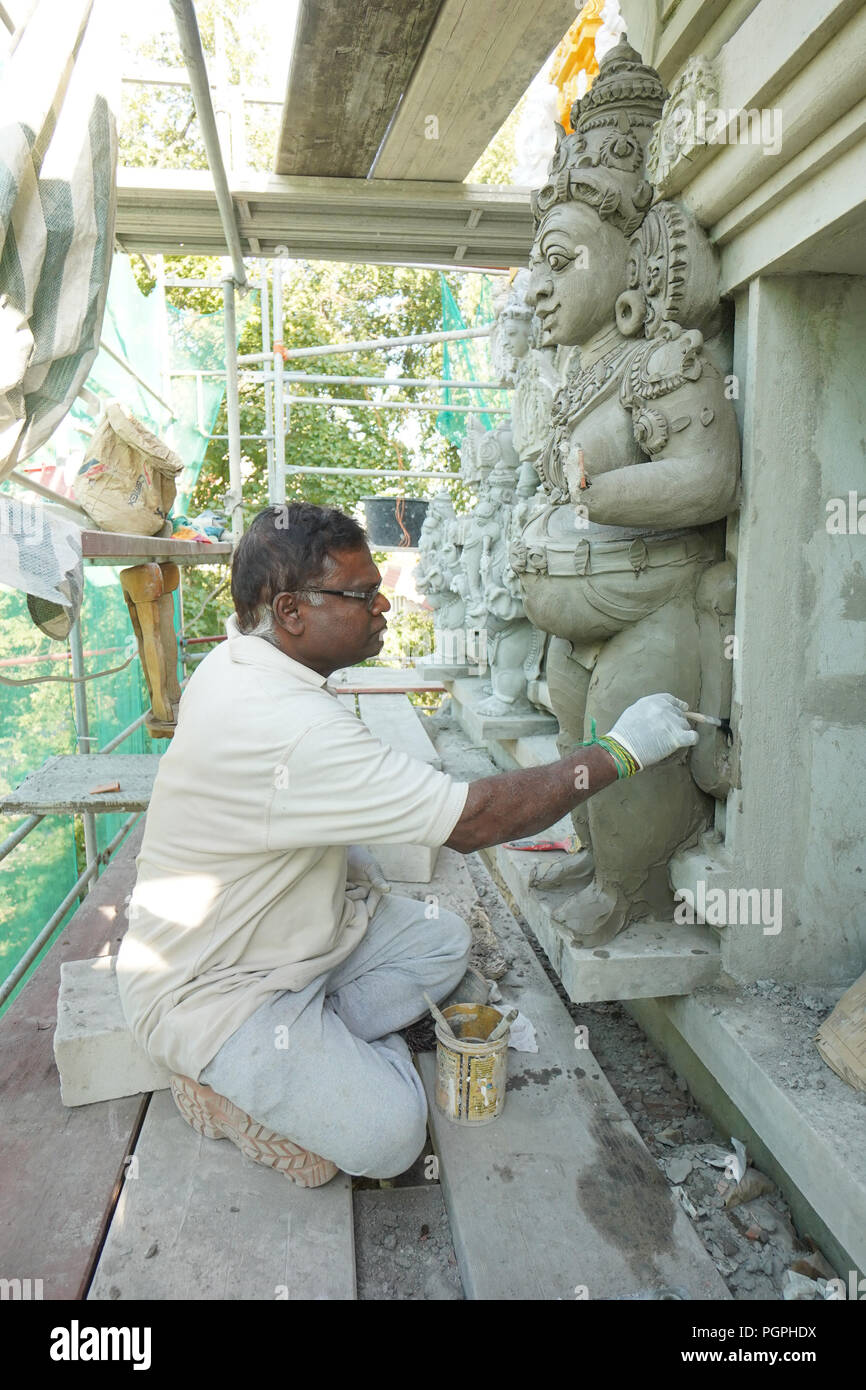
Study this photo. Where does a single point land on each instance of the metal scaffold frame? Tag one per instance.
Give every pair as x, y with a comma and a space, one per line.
267, 368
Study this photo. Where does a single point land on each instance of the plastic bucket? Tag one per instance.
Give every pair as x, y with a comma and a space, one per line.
383, 526
470, 1072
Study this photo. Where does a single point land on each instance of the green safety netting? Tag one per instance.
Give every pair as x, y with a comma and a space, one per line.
182, 342
37, 720
466, 360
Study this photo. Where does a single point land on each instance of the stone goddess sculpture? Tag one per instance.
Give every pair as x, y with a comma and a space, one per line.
641, 461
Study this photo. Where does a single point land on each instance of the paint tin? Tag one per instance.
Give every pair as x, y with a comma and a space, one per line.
470, 1072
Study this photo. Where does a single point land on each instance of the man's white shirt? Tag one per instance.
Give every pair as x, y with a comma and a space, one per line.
241, 889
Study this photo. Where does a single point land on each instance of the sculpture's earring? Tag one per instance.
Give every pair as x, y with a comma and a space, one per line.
630, 310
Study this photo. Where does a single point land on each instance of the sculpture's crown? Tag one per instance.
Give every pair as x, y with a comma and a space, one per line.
602, 161
515, 306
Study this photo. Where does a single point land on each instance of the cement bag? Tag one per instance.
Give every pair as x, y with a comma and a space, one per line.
127, 481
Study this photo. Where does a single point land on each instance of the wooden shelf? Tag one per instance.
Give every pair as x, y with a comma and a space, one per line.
117, 547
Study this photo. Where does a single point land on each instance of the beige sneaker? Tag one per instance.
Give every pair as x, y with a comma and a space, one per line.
214, 1117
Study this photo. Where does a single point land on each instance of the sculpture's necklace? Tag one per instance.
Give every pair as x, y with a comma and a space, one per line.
568, 403
586, 383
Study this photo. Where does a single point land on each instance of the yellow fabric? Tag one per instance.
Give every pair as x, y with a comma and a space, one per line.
241, 890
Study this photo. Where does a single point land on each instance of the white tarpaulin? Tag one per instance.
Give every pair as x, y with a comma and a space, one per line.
58, 156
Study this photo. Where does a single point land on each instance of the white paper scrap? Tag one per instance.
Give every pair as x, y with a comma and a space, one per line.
522, 1035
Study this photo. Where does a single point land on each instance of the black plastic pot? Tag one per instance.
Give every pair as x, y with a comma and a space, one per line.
383, 527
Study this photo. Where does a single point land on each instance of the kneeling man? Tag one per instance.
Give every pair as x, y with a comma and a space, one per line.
266, 962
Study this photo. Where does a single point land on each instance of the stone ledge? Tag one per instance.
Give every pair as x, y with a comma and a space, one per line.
481, 728
96, 1054
812, 1139
646, 960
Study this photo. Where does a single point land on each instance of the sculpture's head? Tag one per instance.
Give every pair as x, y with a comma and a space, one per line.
496, 451
441, 506
596, 197
475, 432
512, 333
527, 481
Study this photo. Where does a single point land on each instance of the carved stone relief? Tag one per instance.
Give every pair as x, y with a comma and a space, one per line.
639, 468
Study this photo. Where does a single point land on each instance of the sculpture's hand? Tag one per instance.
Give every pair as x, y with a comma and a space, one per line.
653, 728
362, 867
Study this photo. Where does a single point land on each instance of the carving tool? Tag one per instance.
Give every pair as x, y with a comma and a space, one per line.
500, 1028
723, 724
440, 1017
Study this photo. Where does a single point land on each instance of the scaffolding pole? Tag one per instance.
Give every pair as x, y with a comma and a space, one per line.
427, 382
440, 409
233, 411
403, 473
314, 379
280, 423
190, 43
122, 362
84, 880
371, 345
269, 388
82, 729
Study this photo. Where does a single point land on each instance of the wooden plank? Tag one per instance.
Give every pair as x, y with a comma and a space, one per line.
62, 784
113, 547
476, 66
315, 226
559, 1193
197, 1220
436, 256
330, 218
394, 720
192, 188
60, 1169
351, 62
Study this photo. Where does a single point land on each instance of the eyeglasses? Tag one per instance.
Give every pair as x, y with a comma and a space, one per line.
368, 595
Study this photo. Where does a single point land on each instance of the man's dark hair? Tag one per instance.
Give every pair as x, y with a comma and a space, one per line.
284, 549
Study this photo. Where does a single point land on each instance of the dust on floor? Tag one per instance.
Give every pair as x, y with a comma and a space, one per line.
753, 1243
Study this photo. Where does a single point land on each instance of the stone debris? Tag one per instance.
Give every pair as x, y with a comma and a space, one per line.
797, 1288
678, 1169
403, 1245
752, 1242
798, 1011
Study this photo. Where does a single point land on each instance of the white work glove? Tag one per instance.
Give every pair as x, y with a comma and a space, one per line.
653, 728
363, 868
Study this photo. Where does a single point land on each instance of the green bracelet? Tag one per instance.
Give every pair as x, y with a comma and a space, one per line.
626, 763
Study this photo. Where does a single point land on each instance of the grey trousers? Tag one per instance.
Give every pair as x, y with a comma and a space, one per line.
324, 1065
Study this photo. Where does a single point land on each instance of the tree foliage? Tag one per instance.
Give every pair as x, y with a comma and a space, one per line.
322, 302
159, 128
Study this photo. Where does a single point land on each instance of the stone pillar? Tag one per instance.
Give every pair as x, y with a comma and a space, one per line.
794, 821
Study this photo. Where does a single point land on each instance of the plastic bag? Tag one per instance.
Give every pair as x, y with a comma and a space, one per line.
127, 481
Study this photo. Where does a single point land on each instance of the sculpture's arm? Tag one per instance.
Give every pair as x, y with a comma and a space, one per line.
690, 435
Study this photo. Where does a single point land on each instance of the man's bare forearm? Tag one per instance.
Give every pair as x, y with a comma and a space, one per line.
513, 804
